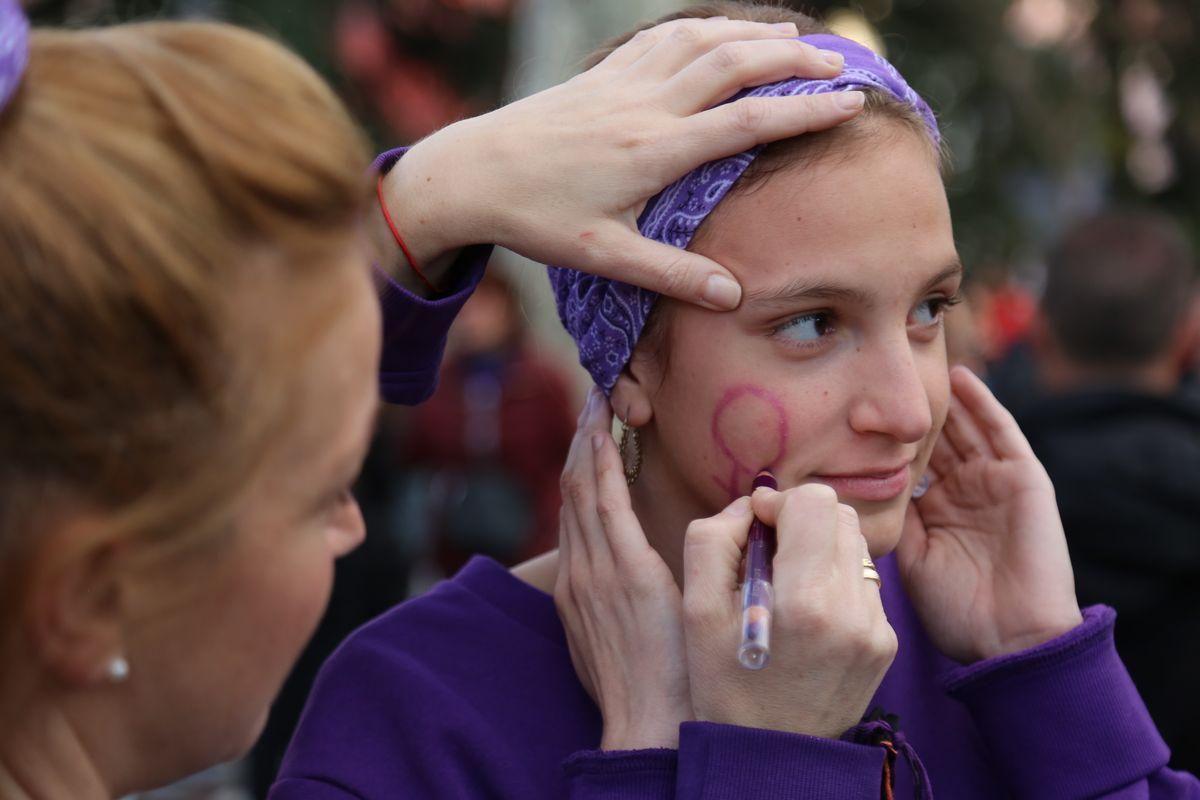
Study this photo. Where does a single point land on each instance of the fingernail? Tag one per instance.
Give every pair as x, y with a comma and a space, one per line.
787, 27
850, 100
597, 441
832, 58
722, 293
738, 507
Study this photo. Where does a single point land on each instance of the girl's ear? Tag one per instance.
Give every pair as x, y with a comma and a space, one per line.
631, 401
632, 396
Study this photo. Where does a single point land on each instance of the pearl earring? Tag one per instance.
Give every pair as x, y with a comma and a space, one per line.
117, 669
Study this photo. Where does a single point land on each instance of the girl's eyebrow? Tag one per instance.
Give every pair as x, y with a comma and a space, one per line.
807, 289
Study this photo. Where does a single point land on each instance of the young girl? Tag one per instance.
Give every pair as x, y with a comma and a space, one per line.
832, 374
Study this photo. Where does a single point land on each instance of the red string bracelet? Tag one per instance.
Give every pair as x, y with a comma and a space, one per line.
387, 215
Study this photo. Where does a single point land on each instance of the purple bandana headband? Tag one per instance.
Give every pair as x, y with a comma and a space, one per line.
14, 48
606, 317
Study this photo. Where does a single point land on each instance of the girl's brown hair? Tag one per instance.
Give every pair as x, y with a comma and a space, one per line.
155, 176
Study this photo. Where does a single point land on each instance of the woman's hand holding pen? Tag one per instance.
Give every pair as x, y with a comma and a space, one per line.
983, 554
561, 176
830, 643
617, 599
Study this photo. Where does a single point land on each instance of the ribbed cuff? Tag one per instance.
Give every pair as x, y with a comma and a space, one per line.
622, 774
726, 762
415, 329
1062, 719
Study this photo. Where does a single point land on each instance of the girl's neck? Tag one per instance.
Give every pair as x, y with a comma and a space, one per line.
665, 510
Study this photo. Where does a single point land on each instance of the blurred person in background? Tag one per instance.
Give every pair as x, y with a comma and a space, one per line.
191, 349
488, 447
1118, 329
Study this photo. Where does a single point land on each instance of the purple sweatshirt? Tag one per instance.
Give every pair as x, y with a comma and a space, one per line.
468, 692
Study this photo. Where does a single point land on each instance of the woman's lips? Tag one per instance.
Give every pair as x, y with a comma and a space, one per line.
875, 488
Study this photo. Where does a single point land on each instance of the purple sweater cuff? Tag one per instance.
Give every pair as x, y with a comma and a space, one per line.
414, 328
1063, 719
725, 762
622, 774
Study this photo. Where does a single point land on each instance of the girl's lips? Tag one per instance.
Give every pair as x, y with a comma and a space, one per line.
875, 488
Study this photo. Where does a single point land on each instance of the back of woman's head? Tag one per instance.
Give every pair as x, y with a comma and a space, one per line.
154, 176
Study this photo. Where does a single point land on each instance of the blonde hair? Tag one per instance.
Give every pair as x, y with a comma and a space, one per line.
151, 172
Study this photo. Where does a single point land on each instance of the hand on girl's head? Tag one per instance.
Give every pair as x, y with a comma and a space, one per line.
622, 131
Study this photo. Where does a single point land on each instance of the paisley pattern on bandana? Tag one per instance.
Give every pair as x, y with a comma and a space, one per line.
14, 48
606, 317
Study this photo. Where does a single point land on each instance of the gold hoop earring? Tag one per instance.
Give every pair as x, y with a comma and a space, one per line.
630, 440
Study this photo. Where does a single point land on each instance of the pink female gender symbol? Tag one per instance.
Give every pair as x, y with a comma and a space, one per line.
745, 438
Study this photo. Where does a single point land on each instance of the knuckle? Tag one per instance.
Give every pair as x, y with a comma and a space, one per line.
575, 490
887, 644
647, 36
608, 510
817, 494
728, 57
687, 33
673, 278
847, 515
799, 613
748, 114
697, 536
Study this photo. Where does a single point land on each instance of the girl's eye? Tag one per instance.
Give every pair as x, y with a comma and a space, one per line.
806, 328
929, 311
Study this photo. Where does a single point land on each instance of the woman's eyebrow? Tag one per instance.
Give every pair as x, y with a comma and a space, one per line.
808, 289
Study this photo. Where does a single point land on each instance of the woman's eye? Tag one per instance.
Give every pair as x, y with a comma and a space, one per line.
806, 328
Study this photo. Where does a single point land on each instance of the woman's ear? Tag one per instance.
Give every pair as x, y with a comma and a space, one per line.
73, 604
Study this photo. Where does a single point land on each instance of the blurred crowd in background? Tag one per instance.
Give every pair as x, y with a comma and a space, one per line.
1074, 131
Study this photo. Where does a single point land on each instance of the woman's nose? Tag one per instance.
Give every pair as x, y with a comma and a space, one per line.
892, 398
348, 529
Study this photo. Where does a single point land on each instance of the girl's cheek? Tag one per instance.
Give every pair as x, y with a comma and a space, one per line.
749, 432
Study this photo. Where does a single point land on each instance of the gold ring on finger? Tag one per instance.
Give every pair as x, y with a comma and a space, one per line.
872, 574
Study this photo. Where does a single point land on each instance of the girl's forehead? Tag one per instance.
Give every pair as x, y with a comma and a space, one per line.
843, 222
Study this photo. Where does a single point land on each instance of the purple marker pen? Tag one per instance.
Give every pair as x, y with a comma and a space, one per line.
757, 592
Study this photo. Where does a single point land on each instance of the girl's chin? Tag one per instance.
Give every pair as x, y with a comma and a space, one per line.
882, 528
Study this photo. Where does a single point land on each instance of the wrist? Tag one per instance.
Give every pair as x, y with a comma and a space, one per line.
648, 731
1033, 634
436, 219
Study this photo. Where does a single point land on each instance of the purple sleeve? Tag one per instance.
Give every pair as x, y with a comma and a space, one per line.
1064, 720
414, 328
725, 762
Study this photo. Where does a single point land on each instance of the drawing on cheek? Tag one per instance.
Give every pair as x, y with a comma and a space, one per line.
750, 430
